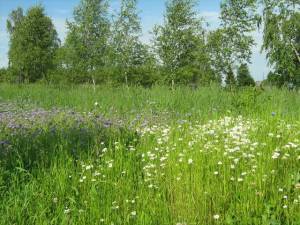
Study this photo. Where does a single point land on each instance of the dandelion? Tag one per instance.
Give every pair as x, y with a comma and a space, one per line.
133, 213
285, 206
190, 161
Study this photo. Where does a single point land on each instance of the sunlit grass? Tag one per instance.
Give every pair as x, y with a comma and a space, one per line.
156, 156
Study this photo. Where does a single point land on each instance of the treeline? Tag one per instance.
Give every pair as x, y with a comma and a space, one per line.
104, 48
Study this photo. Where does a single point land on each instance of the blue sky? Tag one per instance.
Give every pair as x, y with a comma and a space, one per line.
151, 13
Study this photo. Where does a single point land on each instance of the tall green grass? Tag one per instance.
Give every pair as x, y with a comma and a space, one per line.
127, 102
206, 156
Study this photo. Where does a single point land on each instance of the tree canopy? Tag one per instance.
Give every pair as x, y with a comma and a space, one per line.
106, 47
33, 42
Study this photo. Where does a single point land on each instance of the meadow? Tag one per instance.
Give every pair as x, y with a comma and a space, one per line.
157, 156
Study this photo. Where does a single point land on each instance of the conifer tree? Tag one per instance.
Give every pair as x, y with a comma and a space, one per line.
230, 79
243, 76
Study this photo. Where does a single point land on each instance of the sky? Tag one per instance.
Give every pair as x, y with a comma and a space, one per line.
150, 11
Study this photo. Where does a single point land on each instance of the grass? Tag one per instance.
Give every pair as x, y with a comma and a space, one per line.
75, 155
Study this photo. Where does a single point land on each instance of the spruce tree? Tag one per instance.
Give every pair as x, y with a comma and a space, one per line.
230, 79
243, 76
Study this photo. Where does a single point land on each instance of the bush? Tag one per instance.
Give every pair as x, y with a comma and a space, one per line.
3, 74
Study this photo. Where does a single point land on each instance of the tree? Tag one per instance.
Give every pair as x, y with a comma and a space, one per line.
180, 45
230, 79
14, 19
282, 39
231, 44
33, 42
219, 52
129, 53
86, 47
243, 76
238, 19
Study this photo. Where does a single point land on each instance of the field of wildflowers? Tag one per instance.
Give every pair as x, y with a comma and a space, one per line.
149, 156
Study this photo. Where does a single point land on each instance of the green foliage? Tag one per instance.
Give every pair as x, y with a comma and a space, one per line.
219, 52
282, 39
14, 19
99, 49
230, 79
232, 43
128, 51
238, 19
180, 44
86, 47
33, 43
3, 74
244, 77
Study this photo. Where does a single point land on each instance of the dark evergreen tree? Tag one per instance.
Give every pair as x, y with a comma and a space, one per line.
243, 76
230, 79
